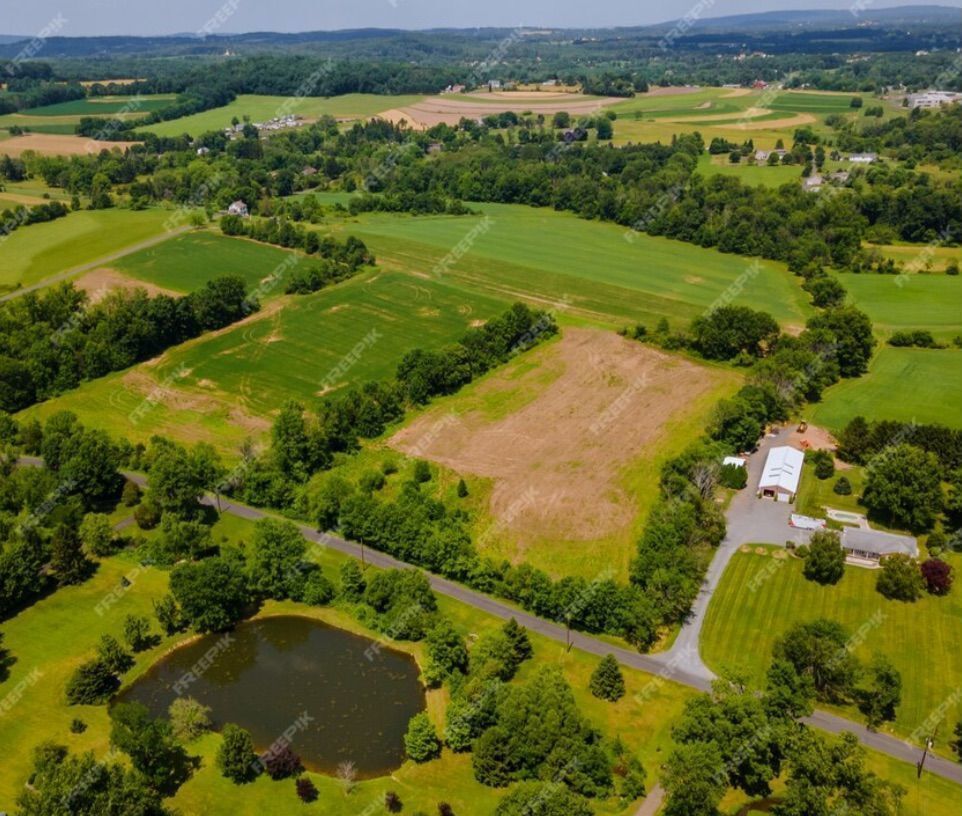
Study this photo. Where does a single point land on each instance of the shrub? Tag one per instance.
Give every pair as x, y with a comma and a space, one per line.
843, 487
444, 809
422, 471
392, 802
130, 495
937, 575
900, 579
77, 726
421, 740
306, 790
281, 763
607, 682
147, 516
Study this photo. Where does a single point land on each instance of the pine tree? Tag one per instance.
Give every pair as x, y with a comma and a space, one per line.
235, 757
421, 740
66, 556
462, 489
517, 636
607, 682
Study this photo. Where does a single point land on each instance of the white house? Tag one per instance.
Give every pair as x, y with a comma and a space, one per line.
863, 158
737, 461
933, 99
783, 469
238, 208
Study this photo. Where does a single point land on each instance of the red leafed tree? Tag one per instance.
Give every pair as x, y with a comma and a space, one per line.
938, 576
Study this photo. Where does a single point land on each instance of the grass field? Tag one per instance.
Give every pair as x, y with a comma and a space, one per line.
899, 302
923, 639
237, 377
187, 262
753, 174
606, 273
63, 117
920, 385
262, 108
41, 250
58, 632
912, 254
815, 494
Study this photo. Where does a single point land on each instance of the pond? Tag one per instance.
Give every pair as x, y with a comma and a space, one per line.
337, 696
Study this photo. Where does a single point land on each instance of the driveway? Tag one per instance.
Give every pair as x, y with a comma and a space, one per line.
750, 520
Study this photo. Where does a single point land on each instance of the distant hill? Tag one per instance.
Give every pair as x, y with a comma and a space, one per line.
898, 28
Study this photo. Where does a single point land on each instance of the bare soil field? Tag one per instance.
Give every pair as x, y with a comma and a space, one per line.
100, 282
452, 108
48, 144
582, 410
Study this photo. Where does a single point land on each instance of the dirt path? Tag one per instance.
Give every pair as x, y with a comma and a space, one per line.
104, 261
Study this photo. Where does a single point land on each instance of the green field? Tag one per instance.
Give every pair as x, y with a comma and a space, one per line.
239, 376
39, 251
753, 174
912, 254
546, 255
262, 108
911, 385
923, 639
187, 262
63, 117
900, 302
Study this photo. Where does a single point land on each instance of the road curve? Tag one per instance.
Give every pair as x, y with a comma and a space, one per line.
663, 670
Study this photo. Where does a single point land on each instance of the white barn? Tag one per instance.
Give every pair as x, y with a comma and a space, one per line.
782, 472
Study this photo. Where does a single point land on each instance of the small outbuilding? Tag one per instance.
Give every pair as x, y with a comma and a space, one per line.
238, 208
782, 473
874, 545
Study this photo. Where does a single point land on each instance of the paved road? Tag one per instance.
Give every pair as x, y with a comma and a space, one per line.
69, 273
750, 520
664, 667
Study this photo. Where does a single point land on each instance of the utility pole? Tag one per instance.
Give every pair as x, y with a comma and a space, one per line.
567, 631
929, 742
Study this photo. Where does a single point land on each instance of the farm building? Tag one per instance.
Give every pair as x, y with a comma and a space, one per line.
737, 461
863, 158
783, 469
874, 545
238, 208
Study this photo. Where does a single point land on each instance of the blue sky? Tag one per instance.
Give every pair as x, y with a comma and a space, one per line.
92, 17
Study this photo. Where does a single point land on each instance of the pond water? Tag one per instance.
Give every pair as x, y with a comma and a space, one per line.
337, 696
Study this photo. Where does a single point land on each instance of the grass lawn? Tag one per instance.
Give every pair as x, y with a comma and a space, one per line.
753, 174
815, 494
187, 262
912, 253
261, 108
920, 385
902, 302
923, 639
57, 633
105, 106
543, 255
38, 251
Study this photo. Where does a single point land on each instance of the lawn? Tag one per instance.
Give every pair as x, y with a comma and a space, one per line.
752, 174
261, 108
606, 273
39, 251
60, 631
815, 494
187, 262
910, 385
913, 254
902, 302
923, 639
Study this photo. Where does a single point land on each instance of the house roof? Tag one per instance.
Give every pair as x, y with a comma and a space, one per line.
783, 469
877, 542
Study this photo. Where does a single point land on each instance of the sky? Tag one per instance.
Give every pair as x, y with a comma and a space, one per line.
102, 17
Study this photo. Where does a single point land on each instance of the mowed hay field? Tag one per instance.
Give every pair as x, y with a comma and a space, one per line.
910, 385
923, 639
261, 108
224, 387
596, 271
568, 441
187, 262
905, 302
39, 251
64, 117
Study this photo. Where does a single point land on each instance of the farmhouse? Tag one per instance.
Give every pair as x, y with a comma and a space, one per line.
238, 208
863, 158
874, 545
781, 474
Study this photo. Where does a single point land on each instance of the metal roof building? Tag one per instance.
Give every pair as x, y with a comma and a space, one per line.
782, 472
875, 545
